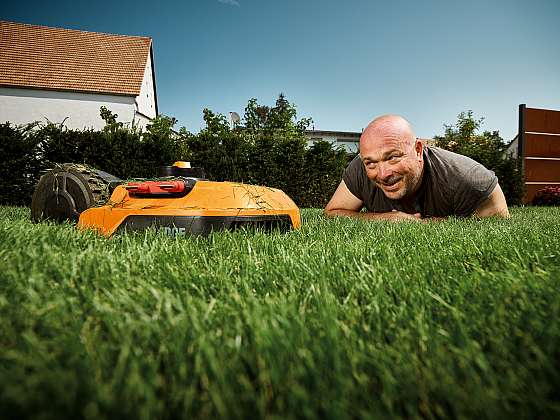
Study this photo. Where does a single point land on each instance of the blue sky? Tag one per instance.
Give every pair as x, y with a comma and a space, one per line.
341, 62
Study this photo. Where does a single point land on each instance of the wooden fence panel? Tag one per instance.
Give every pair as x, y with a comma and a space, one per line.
542, 170
539, 145
542, 121
539, 133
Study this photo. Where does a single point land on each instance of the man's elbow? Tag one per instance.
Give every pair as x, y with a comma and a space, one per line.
499, 210
498, 214
502, 212
494, 206
329, 212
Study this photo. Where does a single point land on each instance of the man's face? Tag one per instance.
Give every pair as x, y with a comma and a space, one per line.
392, 160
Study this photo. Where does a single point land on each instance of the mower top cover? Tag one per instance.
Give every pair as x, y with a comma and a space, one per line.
183, 206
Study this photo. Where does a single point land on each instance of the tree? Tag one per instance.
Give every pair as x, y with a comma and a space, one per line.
216, 124
487, 148
162, 126
268, 148
279, 120
110, 119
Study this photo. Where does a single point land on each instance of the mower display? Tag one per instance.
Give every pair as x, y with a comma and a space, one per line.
181, 203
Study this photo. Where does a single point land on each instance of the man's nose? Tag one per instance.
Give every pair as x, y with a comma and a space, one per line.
384, 171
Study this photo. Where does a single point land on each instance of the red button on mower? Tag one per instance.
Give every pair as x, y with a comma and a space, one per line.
156, 187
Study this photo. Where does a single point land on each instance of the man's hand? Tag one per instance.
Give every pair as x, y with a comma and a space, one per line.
393, 216
344, 203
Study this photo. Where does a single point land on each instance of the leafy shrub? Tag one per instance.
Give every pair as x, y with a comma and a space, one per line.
268, 149
22, 162
548, 196
31, 149
325, 166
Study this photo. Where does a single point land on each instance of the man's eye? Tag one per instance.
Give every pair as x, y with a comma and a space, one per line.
371, 165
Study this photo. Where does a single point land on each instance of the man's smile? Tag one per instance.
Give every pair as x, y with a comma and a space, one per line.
391, 185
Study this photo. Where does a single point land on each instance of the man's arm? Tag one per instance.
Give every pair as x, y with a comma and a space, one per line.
494, 205
344, 203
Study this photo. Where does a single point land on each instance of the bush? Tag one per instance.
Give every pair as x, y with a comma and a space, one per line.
325, 166
22, 163
270, 149
29, 150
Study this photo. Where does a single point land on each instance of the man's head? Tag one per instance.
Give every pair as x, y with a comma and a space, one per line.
392, 156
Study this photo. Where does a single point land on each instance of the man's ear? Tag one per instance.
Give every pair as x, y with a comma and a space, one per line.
419, 147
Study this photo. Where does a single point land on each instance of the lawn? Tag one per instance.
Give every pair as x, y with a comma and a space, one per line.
341, 319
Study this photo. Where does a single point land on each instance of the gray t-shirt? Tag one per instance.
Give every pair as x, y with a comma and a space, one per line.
452, 184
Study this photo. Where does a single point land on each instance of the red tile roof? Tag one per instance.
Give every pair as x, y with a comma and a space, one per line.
66, 59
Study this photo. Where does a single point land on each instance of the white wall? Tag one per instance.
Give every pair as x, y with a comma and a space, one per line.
513, 147
21, 106
146, 102
142, 121
349, 146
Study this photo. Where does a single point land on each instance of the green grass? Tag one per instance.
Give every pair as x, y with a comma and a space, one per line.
342, 319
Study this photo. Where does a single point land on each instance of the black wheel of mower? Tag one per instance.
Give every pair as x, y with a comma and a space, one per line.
67, 190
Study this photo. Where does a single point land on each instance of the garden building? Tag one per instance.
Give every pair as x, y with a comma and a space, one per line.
66, 75
349, 141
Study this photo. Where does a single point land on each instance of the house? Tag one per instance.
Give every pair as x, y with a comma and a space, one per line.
66, 75
348, 140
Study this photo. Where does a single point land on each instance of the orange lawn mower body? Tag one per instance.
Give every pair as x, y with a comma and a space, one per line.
180, 204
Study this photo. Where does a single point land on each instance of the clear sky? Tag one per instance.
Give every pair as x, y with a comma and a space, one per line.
341, 62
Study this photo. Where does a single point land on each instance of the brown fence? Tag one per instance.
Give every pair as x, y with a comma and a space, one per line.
539, 146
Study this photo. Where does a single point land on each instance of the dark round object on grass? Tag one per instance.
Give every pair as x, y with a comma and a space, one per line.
67, 190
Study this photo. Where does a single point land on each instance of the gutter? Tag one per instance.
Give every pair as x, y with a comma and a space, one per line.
154, 76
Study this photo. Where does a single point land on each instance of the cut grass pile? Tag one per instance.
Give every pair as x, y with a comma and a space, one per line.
341, 319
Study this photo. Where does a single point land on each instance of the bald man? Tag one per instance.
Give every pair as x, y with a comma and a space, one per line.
396, 178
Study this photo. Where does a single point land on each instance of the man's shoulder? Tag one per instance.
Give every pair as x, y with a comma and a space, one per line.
460, 177
355, 168
438, 156
357, 181
354, 176
453, 168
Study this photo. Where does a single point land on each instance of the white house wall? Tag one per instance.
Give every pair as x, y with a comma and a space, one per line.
349, 146
77, 110
512, 149
146, 102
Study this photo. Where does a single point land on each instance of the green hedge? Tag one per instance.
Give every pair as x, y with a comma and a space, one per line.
309, 176
21, 162
27, 151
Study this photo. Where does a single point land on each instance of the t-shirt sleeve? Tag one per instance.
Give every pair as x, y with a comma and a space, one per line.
473, 189
353, 177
